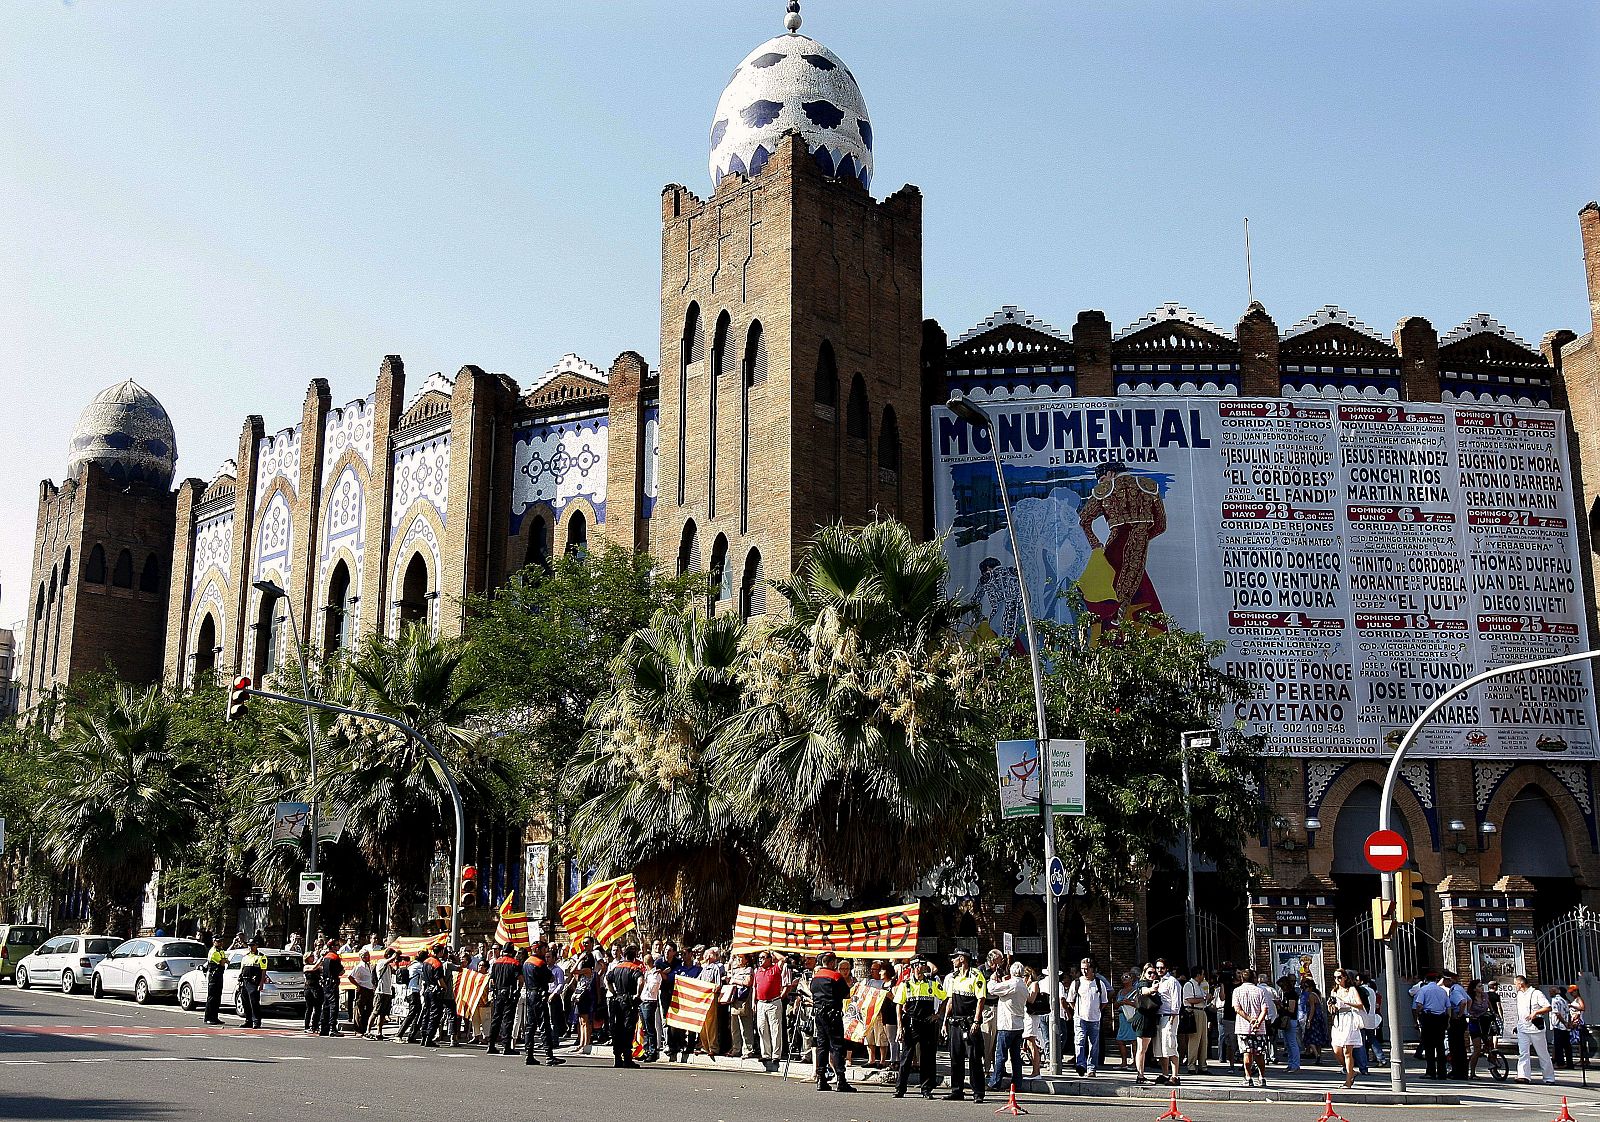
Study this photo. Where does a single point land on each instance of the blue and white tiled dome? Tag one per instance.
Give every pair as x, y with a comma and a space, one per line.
792, 84
128, 434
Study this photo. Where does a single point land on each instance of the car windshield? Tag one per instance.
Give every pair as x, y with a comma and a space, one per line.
285, 962
99, 946
183, 950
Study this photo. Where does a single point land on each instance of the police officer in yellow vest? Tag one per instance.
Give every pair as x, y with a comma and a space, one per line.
919, 997
965, 990
216, 963
252, 975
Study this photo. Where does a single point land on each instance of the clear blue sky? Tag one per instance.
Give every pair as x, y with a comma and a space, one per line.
224, 200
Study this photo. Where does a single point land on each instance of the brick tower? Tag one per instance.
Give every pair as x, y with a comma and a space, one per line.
791, 330
102, 562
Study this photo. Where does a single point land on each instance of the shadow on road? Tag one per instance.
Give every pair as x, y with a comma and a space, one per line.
50, 1108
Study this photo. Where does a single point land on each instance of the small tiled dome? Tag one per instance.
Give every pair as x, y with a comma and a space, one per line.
127, 433
792, 84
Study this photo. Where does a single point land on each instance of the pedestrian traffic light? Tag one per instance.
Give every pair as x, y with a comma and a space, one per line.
469, 886
1408, 902
237, 697
1382, 919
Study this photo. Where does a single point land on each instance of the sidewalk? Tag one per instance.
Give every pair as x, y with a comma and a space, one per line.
1308, 1085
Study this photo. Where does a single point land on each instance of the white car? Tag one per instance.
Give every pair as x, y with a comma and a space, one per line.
285, 984
67, 961
146, 968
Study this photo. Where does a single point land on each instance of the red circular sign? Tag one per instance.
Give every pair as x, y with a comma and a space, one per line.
1386, 851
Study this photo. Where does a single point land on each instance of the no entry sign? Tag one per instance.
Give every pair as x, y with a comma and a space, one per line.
1386, 850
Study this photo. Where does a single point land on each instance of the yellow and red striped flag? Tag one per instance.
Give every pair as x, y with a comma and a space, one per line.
605, 910
406, 948
472, 987
693, 1003
512, 927
862, 1011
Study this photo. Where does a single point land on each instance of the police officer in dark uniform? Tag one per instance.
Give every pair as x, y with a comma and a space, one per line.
536, 1020
919, 998
622, 985
252, 975
965, 990
829, 991
505, 979
332, 970
216, 965
432, 999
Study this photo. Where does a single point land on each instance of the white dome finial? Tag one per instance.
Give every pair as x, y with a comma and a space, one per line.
792, 20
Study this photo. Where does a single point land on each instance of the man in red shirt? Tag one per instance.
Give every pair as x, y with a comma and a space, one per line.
772, 983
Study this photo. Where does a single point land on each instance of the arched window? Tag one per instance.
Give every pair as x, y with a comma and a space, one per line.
205, 648
38, 604
95, 571
889, 441
577, 533
269, 630
414, 592
689, 549
755, 374
858, 418
1532, 842
753, 587
826, 389
539, 542
721, 574
691, 350
721, 366
1358, 817
336, 616
55, 576
66, 570
150, 578
122, 575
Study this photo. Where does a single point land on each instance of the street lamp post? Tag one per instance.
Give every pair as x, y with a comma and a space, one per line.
275, 591
1391, 959
976, 416
1193, 739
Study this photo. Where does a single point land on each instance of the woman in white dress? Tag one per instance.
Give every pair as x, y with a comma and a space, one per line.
1347, 1009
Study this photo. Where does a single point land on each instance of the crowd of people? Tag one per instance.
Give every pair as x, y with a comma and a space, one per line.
991, 1019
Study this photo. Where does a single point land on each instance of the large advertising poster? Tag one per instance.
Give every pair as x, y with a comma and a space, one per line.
1357, 557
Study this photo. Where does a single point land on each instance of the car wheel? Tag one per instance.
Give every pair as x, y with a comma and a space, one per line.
141, 992
69, 981
238, 1005
97, 987
22, 977
186, 998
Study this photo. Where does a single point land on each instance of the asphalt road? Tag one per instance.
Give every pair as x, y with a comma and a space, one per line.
74, 1058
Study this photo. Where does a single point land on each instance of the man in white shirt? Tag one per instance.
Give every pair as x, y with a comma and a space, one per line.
1010, 996
365, 981
1256, 1008
1533, 1031
1166, 1042
1088, 996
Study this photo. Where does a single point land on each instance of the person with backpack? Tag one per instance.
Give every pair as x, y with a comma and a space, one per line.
1087, 997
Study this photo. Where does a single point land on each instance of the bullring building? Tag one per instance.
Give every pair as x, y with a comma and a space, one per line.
795, 383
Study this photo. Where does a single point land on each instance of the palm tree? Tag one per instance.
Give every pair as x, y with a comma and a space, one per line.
861, 732
118, 799
394, 797
655, 800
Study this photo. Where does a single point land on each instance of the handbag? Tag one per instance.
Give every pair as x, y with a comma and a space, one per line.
1186, 1023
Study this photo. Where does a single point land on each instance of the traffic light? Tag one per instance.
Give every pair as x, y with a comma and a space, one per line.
1382, 919
469, 886
237, 697
1408, 902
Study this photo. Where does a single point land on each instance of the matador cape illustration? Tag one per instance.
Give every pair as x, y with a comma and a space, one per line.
1115, 582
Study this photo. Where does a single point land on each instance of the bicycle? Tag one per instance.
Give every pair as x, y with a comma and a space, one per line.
1499, 1066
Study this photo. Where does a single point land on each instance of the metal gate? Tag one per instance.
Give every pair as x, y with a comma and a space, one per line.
1214, 940
1569, 948
1360, 951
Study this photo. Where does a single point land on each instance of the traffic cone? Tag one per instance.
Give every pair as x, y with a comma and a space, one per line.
1172, 1111
1565, 1115
1328, 1113
1012, 1106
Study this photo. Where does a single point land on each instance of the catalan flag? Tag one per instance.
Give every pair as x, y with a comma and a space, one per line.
605, 910
472, 987
406, 948
693, 1003
512, 927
